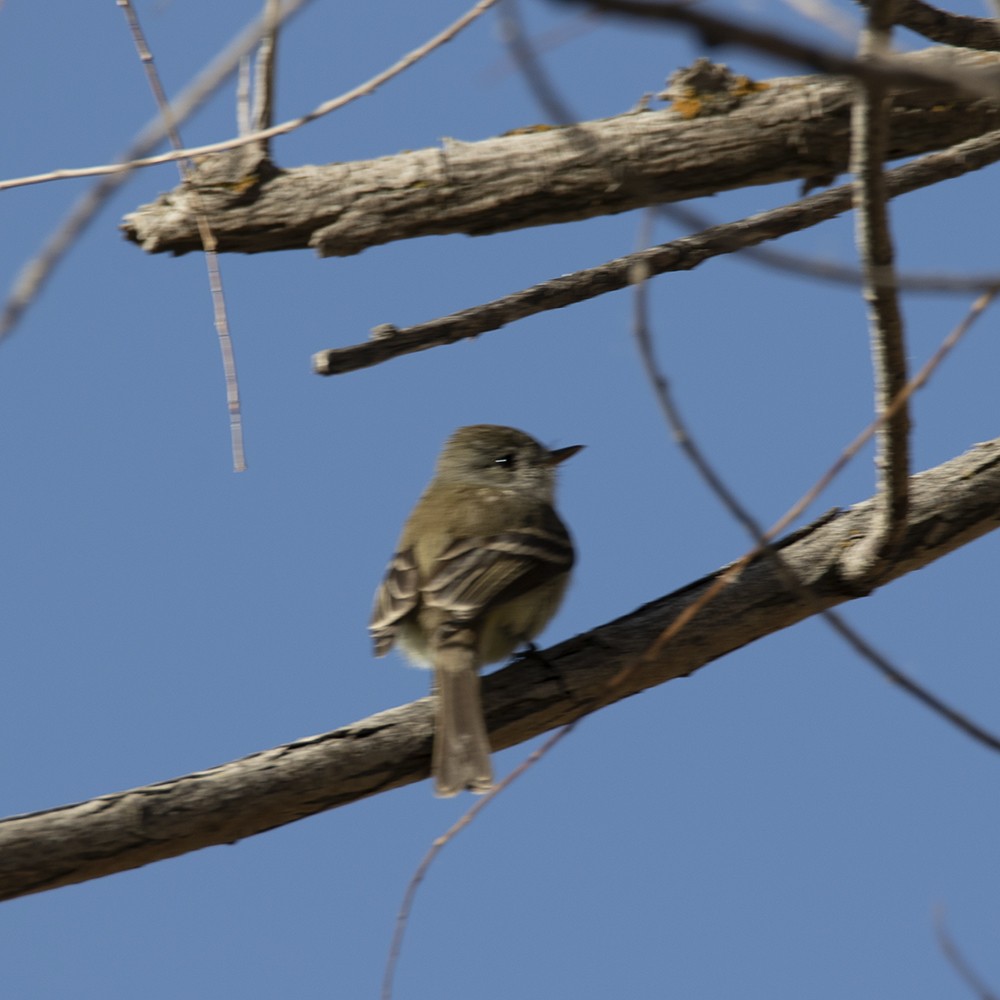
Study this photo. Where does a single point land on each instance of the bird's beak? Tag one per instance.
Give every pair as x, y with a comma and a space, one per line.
561, 454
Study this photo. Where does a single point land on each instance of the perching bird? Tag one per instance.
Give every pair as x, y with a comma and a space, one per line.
480, 568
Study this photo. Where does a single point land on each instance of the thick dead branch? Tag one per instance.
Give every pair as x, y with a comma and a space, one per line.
679, 255
784, 129
945, 27
952, 505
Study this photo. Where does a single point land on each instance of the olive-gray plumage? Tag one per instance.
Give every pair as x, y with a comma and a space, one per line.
480, 568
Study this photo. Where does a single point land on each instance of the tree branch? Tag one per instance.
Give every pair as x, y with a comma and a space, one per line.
262, 116
36, 273
783, 129
679, 255
869, 138
945, 27
717, 30
830, 270
952, 505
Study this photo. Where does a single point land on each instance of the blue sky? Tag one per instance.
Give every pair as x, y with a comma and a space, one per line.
781, 824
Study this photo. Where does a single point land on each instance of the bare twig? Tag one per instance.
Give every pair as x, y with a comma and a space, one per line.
732, 573
715, 30
763, 547
957, 960
945, 27
36, 273
834, 271
267, 60
881, 663
679, 255
898, 72
523, 53
678, 428
403, 917
917, 382
363, 90
208, 242
827, 16
869, 136
555, 37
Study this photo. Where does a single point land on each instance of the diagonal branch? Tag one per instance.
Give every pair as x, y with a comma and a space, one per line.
785, 128
945, 27
952, 505
716, 30
36, 273
403, 917
205, 235
283, 128
830, 270
678, 255
696, 456
958, 961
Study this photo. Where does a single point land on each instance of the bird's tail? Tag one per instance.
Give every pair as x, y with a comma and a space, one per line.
461, 757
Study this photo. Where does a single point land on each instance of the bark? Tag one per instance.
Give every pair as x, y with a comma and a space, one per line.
951, 505
945, 27
733, 134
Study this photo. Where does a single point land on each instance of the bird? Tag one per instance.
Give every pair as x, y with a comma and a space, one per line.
480, 568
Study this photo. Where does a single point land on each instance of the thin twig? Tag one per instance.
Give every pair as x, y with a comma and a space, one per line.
679, 255
957, 960
267, 62
363, 90
35, 274
207, 239
524, 54
869, 138
826, 16
881, 663
731, 574
678, 428
716, 30
554, 38
406, 906
914, 282
917, 382
689, 446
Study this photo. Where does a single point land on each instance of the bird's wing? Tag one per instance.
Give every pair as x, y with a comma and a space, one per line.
473, 573
396, 597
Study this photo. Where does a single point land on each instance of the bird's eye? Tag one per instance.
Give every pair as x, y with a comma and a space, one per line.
506, 461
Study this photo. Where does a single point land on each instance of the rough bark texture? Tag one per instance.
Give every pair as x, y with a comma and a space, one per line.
747, 134
945, 27
388, 341
952, 505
